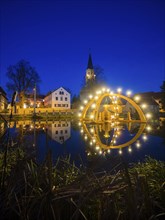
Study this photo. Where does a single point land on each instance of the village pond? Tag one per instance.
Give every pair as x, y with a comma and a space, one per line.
97, 146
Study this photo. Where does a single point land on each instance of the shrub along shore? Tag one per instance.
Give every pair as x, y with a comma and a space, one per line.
62, 190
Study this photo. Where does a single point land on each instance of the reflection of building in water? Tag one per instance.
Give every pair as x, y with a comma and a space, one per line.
59, 131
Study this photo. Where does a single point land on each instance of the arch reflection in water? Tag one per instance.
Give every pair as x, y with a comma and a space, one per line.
59, 131
115, 135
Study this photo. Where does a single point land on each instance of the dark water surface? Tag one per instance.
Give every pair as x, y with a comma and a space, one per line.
97, 146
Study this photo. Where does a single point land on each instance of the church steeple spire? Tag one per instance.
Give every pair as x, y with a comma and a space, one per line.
90, 76
90, 64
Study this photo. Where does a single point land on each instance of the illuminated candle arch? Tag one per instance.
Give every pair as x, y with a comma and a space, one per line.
98, 99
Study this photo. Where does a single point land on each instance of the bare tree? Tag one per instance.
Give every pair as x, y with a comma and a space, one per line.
22, 78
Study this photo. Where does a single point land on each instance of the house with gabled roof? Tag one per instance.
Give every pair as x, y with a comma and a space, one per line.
147, 103
59, 99
156, 96
3, 99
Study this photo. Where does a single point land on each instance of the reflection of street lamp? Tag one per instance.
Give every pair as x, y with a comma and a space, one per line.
34, 100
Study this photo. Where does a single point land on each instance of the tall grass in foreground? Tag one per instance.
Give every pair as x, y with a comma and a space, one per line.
64, 191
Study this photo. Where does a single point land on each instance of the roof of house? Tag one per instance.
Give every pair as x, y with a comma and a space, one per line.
56, 90
149, 101
2, 91
155, 95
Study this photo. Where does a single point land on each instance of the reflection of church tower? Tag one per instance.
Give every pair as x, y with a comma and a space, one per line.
90, 75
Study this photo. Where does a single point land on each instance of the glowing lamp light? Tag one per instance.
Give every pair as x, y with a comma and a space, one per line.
129, 149
24, 105
90, 96
93, 105
103, 89
82, 131
91, 143
81, 107
144, 106
128, 93
91, 116
79, 114
148, 128
97, 147
92, 130
138, 144
148, 115
85, 137
109, 151
85, 101
79, 123
94, 141
108, 90
137, 98
96, 97
120, 151
119, 90
144, 137
100, 152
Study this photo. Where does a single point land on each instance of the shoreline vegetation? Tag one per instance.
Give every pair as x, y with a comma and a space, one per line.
61, 190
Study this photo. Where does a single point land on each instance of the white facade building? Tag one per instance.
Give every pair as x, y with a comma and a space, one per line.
59, 99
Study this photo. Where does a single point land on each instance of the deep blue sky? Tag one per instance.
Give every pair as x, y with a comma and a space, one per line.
127, 39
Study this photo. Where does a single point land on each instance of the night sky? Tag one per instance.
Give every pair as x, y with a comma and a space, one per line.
127, 39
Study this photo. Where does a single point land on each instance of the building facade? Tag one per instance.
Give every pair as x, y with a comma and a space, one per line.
59, 99
3, 100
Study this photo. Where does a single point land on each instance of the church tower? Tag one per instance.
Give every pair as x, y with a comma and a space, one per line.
90, 75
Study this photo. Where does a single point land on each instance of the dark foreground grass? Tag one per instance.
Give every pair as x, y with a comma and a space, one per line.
63, 191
